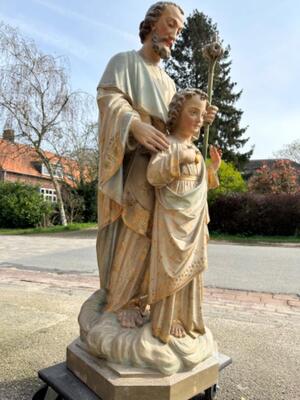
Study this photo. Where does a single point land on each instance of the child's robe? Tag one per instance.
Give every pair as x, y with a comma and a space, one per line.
179, 240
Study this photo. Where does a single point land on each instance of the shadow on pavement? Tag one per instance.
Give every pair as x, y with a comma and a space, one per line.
22, 389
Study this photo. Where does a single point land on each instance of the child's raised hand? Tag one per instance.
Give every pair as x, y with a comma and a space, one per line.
216, 156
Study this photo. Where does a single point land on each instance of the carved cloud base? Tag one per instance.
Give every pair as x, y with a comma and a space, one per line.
105, 338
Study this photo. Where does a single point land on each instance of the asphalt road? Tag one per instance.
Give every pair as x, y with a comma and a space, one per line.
258, 268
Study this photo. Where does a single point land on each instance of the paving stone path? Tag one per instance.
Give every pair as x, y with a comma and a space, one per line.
281, 303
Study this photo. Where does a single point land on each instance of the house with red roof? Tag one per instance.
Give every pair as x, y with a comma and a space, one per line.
20, 163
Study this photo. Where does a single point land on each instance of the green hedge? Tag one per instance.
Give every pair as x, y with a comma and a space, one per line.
21, 206
256, 214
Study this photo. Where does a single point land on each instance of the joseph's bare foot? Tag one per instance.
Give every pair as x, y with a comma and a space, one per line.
177, 329
130, 318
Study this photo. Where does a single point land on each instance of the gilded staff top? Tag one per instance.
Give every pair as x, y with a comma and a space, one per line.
213, 51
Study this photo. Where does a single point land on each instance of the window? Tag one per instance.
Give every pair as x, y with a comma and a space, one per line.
49, 194
57, 169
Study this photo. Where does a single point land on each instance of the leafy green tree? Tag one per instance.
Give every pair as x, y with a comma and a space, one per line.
188, 68
230, 181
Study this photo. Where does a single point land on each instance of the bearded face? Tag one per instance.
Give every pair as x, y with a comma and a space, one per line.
160, 46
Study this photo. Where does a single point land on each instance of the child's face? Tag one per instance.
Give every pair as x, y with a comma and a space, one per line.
191, 117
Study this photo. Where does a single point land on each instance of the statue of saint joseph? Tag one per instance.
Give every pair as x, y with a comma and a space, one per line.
133, 97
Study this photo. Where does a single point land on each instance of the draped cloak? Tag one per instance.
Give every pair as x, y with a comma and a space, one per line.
129, 88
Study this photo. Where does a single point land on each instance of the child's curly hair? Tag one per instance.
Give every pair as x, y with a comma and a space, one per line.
177, 103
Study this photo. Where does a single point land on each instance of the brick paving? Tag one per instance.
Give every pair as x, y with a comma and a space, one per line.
259, 301
281, 303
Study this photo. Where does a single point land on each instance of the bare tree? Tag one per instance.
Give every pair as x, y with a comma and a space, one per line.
290, 151
81, 138
35, 94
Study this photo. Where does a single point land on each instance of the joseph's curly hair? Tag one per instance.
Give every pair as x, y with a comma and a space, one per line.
153, 15
177, 103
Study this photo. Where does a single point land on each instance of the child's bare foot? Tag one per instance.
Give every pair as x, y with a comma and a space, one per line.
177, 329
130, 318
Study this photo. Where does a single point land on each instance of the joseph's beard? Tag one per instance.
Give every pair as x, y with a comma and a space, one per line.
160, 48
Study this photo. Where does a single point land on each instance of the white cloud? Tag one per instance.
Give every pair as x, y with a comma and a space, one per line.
86, 20
59, 41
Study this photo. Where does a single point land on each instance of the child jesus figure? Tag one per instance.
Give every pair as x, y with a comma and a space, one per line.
180, 234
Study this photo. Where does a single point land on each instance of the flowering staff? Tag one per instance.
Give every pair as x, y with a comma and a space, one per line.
212, 52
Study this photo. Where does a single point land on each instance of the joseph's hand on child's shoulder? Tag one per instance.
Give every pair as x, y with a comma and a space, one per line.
148, 136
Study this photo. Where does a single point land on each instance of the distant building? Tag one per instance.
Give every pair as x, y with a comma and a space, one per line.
252, 165
20, 163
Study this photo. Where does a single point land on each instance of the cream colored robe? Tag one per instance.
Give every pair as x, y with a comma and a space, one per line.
179, 241
129, 89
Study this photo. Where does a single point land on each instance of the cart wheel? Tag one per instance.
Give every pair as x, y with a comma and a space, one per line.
41, 393
211, 392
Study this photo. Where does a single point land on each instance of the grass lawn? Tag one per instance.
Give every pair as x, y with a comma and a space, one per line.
254, 239
52, 229
213, 235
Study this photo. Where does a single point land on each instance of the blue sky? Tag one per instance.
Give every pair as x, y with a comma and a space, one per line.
264, 36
